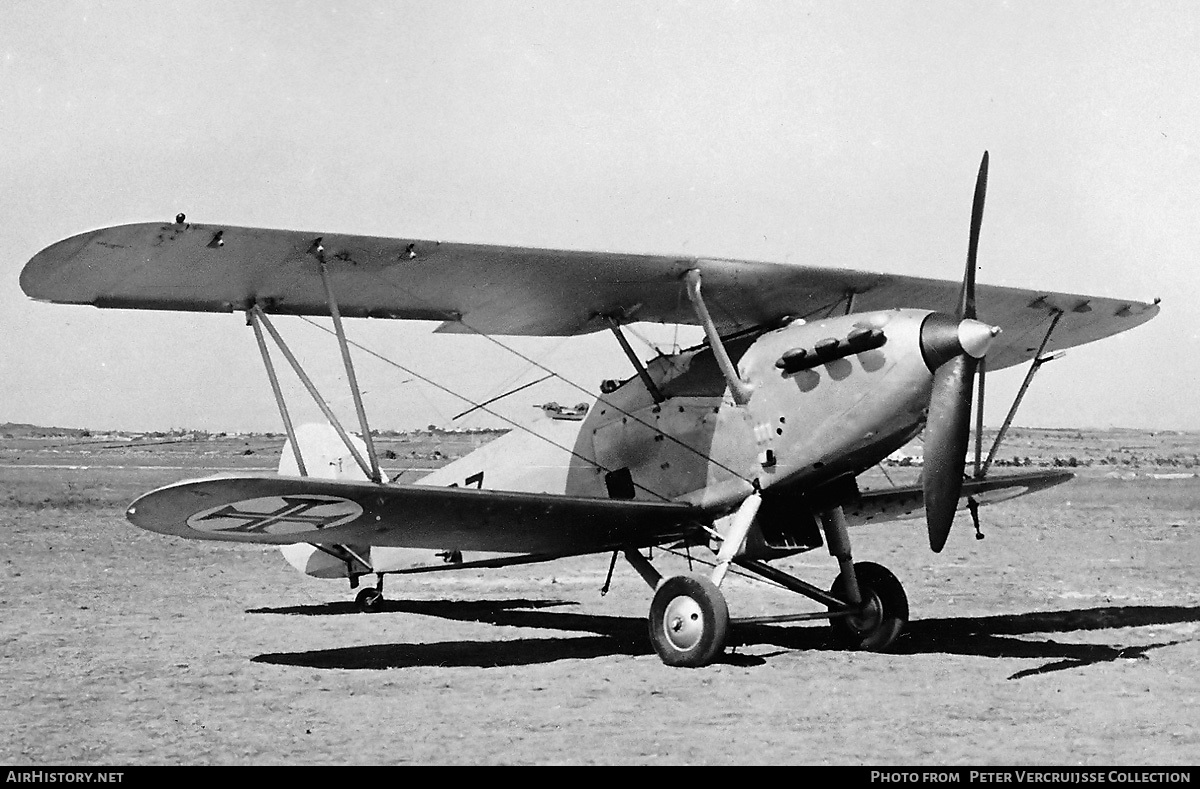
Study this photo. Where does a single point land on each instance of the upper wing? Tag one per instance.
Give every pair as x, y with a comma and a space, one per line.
513, 290
283, 510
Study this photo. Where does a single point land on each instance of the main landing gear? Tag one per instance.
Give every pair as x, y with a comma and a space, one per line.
689, 618
689, 621
370, 599
878, 621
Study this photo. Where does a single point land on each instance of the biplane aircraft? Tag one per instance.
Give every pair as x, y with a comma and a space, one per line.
748, 445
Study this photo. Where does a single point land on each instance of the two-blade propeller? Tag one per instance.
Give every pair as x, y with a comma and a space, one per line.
953, 348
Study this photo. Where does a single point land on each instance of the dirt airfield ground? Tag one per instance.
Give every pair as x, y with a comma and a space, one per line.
1069, 636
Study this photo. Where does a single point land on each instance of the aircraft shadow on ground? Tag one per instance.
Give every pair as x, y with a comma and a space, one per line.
1002, 636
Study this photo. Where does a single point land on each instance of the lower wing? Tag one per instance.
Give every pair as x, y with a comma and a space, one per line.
281, 510
907, 502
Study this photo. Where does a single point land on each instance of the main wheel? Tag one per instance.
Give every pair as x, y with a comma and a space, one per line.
884, 611
369, 600
689, 621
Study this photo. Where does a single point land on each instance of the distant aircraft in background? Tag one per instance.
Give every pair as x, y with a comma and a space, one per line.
747, 445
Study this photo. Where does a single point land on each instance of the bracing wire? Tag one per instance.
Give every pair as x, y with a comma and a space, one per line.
733, 568
617, 408
505, 385
500, 397
644, 341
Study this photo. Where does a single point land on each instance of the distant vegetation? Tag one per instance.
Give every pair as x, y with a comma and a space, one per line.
1128, 460
12, 430
22, 430
1118, 449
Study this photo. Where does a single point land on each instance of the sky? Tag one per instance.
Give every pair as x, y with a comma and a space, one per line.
844, 134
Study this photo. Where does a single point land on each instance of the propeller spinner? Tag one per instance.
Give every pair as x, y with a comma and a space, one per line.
953, 347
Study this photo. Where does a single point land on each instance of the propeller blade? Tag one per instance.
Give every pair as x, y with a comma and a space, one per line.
948, 424
946, 439
966, 306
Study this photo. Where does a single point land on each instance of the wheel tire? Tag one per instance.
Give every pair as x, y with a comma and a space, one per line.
369, 600
885, 609
689, 621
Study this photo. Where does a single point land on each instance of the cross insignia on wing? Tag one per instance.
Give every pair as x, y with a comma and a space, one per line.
295, 510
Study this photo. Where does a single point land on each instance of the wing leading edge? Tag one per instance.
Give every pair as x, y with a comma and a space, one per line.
514, 290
